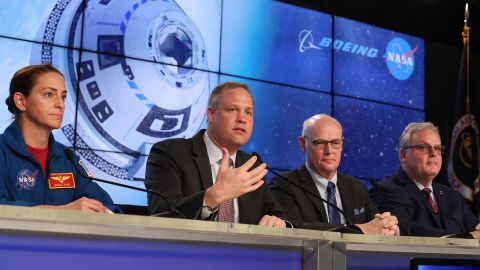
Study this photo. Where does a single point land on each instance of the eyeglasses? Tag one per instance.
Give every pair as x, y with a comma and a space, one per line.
322, 144
426, 148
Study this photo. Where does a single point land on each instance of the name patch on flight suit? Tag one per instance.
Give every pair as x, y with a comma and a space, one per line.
61, 180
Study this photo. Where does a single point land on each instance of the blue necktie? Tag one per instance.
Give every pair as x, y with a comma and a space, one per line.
333, 214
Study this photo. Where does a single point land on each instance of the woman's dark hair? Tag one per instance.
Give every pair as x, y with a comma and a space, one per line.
23, 81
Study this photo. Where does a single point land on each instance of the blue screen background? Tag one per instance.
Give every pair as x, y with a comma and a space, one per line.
266, 46
150, 68
368, 77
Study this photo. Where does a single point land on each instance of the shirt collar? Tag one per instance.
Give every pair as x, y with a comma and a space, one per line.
15, 140
213, 151
323, 182
420, 186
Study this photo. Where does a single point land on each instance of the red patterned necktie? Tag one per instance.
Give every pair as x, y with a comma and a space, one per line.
226, 213
427, 192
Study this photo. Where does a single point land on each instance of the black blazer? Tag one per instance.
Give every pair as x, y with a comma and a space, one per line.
412, 220
308, 212
180, 169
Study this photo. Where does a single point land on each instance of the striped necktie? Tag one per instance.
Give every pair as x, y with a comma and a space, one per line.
333, 214
428, 193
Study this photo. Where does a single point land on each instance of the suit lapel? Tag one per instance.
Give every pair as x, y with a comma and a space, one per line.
243, 201
440, 200
306, 181
413, 189
347, 193
202, 162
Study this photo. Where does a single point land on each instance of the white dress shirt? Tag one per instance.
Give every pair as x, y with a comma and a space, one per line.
421, 187
215, 156
322, 184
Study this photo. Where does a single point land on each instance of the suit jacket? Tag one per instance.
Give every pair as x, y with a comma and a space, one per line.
417, 217
180, 169
308, 212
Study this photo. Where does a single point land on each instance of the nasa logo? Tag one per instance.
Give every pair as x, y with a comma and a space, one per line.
26, 179
400, 58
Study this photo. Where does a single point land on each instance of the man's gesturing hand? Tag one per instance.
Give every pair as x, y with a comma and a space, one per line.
234, 182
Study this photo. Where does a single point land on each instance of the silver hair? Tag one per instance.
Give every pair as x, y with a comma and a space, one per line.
410, 129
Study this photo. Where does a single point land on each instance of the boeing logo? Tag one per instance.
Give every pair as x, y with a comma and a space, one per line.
306, 41
400, 58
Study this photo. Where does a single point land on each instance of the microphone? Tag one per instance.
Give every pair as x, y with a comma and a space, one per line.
462, 234
349, 227
172, 211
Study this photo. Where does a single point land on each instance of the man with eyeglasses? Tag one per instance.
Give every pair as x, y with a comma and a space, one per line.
322, 143
426, 208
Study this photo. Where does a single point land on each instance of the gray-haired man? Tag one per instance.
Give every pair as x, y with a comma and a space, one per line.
427, 208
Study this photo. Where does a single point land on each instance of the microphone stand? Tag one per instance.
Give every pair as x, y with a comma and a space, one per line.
462, 234
349, 227
172, 211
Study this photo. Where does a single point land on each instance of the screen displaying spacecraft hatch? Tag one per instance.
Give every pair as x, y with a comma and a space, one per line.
141, 71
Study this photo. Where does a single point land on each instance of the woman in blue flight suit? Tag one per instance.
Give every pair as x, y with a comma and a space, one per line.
34, 168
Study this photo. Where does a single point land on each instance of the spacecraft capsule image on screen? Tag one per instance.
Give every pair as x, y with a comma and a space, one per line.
142, 77
140, 71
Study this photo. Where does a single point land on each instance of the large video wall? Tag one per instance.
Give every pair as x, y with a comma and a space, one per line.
140, 71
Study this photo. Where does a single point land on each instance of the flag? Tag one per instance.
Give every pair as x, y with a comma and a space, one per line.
463, 158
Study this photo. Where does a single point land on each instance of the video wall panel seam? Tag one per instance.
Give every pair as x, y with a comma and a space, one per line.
292, 67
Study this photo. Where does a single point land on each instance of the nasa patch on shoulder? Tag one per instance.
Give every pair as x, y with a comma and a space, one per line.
26, 179
84, 166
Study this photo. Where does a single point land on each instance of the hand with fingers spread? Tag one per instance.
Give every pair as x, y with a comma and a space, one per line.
187, 171
234, 182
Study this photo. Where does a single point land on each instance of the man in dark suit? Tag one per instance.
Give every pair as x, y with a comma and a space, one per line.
209, 173
322, 143
420, 162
